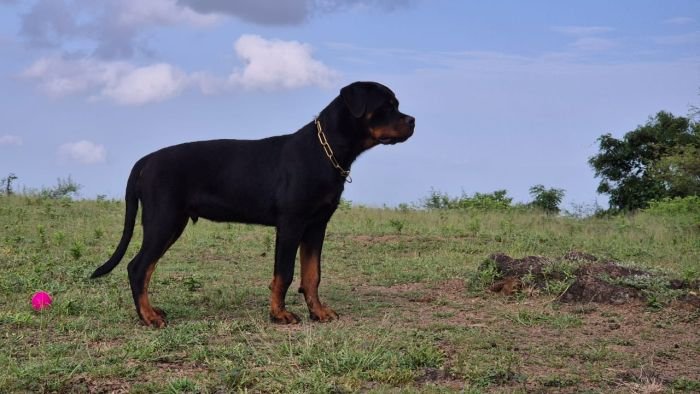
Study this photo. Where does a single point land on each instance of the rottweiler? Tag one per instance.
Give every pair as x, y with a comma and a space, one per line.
292, 182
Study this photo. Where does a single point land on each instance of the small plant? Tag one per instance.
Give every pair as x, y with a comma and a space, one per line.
344, 205
192, 284
397, 224
485, 275
689, 385
182, 385
59, 237
77, 250
42, 234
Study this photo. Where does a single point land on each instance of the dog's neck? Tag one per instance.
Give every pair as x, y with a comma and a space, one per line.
334, 119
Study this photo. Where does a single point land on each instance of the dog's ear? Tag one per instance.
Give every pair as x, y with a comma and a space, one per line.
354, 96
363, 97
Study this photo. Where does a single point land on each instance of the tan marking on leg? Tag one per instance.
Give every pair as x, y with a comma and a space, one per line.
278, 312
150, 316
310, 279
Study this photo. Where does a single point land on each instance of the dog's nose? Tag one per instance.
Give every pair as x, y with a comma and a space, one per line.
410, 120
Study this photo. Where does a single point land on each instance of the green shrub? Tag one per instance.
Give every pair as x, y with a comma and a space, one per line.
498, 200
675, 206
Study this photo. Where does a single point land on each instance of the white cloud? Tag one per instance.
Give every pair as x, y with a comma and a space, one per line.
146, 84
118, 81
60, 77
289, 12
139, 13
84, 152
108, 28
587, 38
8, 139
679, 39
680, 20
269, 65
582, 30
593, 44
274, 64
118, 29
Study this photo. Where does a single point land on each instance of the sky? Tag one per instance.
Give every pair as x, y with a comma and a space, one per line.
507, 94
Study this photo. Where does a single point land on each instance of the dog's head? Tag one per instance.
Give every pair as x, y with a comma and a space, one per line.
376, 108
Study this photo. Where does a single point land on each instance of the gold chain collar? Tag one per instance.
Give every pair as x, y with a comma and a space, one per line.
329, 152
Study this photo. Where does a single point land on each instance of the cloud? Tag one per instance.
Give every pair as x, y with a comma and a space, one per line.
8, 139
288, 12
680, 20
582, 30
147, 84
118, 81
266, 12
268, 65
117, 29
274, 64
587, 37
592, 44
679, 39
108, 28
83, 152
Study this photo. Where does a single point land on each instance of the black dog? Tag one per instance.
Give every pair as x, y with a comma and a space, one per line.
292, 182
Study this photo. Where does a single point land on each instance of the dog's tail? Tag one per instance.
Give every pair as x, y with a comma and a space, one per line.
132, 206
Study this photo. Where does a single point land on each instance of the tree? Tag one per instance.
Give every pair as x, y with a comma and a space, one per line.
546, 199
626, 165
65, 188
679, 172
6, 183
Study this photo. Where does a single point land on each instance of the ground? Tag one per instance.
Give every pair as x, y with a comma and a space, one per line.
429, 301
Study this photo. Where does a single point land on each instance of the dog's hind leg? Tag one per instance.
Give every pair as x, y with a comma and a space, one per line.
158, 236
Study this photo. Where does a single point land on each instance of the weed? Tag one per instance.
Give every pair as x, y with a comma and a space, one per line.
397, 225
685, 384
77, 250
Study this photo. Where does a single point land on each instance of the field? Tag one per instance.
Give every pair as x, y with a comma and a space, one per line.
416, 312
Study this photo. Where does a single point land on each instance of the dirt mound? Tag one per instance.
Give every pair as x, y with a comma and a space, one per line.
582, 277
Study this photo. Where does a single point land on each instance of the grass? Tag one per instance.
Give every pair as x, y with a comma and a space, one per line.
396, 277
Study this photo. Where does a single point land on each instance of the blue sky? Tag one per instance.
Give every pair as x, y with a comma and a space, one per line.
507, 94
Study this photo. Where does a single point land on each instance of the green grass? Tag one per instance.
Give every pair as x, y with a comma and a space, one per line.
392, 275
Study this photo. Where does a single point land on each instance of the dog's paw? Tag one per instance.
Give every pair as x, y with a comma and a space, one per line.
160, 312
155, 319
323, 314
284, 317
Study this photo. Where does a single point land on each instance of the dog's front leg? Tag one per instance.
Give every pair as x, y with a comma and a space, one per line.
310, 257
286, 245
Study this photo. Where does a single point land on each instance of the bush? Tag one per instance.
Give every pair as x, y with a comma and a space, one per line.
497, 200
65, 188
675, 206
547, 200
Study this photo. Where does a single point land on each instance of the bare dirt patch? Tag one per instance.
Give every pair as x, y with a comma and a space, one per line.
603, 335
582, 277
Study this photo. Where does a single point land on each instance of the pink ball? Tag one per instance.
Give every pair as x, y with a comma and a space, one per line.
41, 300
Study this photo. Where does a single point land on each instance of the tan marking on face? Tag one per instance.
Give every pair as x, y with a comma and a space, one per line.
383, 132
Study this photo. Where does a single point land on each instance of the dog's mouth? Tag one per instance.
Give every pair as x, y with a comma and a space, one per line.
388, 141
394, 140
